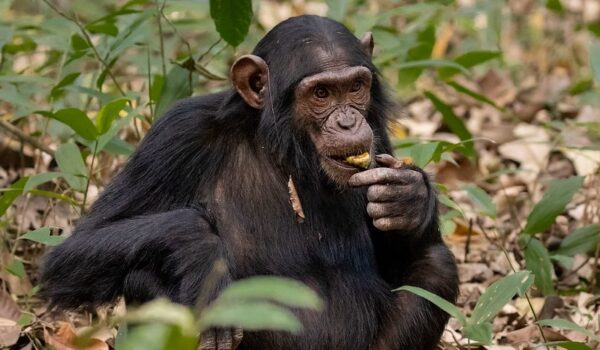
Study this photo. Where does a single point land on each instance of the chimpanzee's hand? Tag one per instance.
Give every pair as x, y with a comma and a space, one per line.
221, 339
398, 194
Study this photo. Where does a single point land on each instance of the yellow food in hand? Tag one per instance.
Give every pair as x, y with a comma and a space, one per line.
362, 160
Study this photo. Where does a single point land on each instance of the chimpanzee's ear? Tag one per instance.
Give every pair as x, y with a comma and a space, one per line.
249, 75
367, 43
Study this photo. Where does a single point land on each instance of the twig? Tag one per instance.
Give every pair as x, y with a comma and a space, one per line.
89, 178
24, 137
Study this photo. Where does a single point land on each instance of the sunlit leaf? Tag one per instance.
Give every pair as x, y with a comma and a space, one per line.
251, 315
108, 113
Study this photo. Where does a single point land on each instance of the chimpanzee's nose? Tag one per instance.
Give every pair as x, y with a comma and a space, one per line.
347, 119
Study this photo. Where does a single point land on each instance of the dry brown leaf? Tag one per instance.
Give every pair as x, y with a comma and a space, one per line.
9, 314
295, 201
65, 338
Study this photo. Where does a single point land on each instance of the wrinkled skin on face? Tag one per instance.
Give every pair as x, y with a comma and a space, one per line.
332, 107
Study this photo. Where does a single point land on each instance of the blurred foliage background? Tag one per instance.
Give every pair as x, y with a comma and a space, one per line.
498, 99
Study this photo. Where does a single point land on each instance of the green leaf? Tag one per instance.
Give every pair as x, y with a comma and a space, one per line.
253, 315
595, 59
11, 194
454, 123
108, 113
280, 290
475, 58
582, 240
38, 179
71, 164
157, 336
468, 60
104, 27
555, 6
57, 90
25, 319
482, 200
538, 261
16, 268
422, 153
581, 86
166, 312
498, 294
431, 63
481, 332
568, 325
336, 9
232, 19
443, 304
42, 235
479, 97
554, 201
78, 43
569, 345
78, 121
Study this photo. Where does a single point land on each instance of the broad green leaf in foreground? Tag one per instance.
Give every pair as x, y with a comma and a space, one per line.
166, 312
250, 315
538, 261
281, 290
232, 19
569, 345
42, 235
554, 201
157, 336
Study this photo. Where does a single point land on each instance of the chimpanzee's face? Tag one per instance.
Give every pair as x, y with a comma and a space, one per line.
332, 107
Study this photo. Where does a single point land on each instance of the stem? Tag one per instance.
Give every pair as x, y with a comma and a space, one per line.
89, 179
24, 137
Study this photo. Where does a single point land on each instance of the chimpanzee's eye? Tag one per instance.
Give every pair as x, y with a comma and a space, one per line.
321, 92
356, 85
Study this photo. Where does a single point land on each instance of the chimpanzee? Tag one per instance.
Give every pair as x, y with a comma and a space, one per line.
212, 179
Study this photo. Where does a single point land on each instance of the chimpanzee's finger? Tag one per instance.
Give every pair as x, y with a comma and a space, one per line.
396, 223
224, 339
385, 176
381, 210
389, 161
238, 334
208, 340
387, 193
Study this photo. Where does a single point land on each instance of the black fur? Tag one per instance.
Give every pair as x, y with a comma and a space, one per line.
209, 182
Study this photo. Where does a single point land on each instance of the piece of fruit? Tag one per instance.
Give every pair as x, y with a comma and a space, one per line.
361, 161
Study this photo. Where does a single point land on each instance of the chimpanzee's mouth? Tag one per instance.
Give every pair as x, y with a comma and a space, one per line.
360, 160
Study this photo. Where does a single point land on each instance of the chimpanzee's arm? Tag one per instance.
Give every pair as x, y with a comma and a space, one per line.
167, 254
